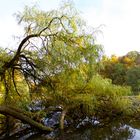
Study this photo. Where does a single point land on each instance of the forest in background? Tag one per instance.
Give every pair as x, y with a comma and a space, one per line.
123, 70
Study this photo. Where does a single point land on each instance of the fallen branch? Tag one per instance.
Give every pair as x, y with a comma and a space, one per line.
5, 110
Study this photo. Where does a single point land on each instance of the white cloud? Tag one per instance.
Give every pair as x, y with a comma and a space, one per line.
9, 29
121, 33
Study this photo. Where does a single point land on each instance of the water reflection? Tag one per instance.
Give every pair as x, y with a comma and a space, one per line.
115, 130
112, 131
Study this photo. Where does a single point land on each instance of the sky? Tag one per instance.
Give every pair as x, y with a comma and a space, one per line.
119, 21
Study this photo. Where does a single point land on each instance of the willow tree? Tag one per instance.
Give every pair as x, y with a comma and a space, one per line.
57, 60
65, 55
57, 53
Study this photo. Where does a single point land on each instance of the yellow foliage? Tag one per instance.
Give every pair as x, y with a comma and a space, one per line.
114, 59
127, 60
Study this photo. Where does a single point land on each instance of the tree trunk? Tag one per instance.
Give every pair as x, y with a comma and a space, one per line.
62, 119
6, 110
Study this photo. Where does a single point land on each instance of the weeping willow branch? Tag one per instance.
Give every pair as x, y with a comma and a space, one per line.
25, 64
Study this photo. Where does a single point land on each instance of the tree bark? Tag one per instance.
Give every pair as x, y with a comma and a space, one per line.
62, 119
5, 110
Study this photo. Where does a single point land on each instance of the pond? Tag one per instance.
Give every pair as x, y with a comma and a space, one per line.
112, 131
115, 130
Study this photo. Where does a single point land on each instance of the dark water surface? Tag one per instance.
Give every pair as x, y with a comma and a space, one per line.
112, 131
115, 130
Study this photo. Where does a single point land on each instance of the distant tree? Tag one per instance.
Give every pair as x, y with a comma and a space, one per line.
133, 78
134, 56
118, 75
114, 70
